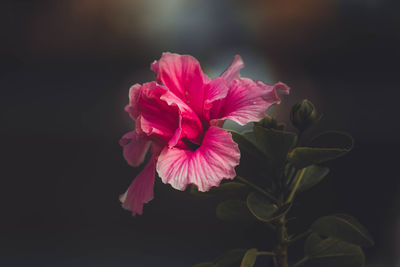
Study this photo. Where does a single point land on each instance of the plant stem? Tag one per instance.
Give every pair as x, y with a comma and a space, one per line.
281, 250
292, 193
283, 241
259, 189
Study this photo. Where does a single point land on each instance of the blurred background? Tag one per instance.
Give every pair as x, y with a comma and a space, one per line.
65, 70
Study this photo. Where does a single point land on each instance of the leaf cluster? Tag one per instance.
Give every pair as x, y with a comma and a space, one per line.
275, 166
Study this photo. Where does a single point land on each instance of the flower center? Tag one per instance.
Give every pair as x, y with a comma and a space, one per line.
190, 145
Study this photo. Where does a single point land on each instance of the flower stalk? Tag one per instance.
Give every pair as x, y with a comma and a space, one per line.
282, 247
282, 237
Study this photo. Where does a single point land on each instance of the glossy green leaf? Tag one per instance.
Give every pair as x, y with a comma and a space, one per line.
245, 144
305, 156
249, 258
275, 144
230, 258
234, 211
312, 176
332, 252
333, 139
312, 241
261, 207
289, 170
344, 227
252, 160
249, 135
326, 146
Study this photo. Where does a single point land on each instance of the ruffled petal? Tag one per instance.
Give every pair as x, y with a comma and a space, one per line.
134, 148
282, 88
155, 117
164, 116
182, 75
215, 90
141, 190
247, 101
205, 167
191, 126
232, 72
131, 109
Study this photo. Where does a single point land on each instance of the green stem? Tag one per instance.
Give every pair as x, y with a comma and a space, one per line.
259, 189
282, 248
283, 242
300, 262
292, 193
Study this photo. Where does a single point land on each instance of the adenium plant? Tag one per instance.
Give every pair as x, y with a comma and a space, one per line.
179, 118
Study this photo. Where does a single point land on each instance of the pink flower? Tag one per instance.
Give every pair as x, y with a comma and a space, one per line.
181, 115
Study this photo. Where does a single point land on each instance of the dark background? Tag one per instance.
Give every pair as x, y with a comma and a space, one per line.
66, 67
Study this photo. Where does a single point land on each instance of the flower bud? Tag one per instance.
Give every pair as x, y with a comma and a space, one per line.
270, 123
303, 115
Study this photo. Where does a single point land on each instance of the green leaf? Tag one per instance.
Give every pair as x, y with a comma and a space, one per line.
246, 145
312, 176
275, 144
312, 241
326, 146
229, 258
305, 156
332, 252
249, 258
227, 188
252, 160
261, 207
289, 171
249, 135
234, 211
344, 227
333, 139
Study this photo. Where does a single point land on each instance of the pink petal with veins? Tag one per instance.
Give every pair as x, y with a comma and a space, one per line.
214, 160
232, 73
183, 76
247, 100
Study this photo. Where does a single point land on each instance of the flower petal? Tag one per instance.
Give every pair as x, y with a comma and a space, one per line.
232, 72
165, 117
155, 117
246, 101
182, 75
205, 167
134, 148
190, 123
282, 88
215, 90
141, 190
131, 109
